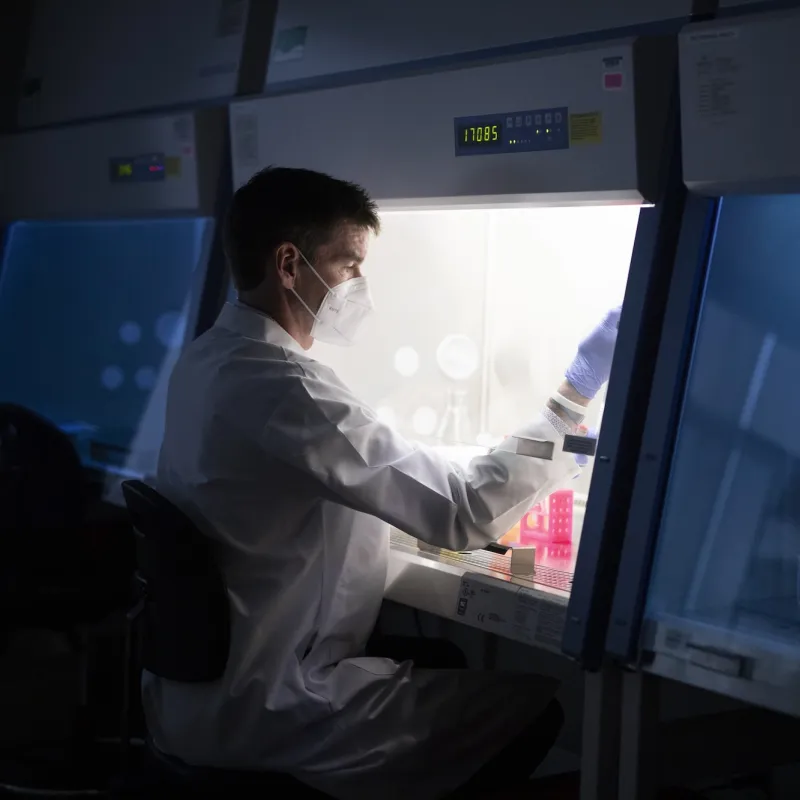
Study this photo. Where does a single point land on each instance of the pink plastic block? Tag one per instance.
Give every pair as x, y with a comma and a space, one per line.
549, 521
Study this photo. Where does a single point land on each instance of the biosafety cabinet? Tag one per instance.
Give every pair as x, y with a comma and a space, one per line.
519, 201
709, 584
109, 230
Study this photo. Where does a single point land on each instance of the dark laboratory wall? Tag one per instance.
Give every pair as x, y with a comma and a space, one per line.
15, 19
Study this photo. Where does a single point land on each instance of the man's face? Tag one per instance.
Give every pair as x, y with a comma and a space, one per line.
336, 261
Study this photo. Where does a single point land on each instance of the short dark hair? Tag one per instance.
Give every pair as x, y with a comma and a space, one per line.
278, 205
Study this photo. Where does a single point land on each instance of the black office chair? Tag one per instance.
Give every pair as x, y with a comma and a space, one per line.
48, 579
43, 501
179, 629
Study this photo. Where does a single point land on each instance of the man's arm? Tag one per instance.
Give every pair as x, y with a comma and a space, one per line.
322, 430
568, 391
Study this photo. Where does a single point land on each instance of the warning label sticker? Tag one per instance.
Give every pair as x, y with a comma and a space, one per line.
586, 128
172, 166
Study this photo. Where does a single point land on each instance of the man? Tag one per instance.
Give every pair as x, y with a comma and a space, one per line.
296, 480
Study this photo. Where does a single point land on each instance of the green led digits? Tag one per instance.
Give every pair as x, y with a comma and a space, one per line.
481, 134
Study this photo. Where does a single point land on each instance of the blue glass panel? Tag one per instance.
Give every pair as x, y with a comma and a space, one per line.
92, 317
728, 553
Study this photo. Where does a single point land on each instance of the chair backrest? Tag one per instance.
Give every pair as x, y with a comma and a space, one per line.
185, 625
43, 503
43, 487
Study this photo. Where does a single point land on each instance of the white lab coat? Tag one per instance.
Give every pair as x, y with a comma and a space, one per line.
296, 480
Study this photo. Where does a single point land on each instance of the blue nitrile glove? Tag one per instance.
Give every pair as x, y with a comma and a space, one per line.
591, 366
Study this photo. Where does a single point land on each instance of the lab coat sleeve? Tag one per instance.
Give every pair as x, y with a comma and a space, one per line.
321, 429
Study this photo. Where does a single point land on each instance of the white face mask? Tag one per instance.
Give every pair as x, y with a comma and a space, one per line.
342, 311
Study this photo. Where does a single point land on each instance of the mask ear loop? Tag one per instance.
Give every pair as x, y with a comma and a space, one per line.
330, 290
322, 281
308, 264
319, 278
304, 304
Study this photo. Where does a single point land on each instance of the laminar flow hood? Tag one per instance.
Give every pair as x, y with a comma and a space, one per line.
573, 127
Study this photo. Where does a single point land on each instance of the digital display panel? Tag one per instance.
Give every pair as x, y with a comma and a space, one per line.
512, 132
137, 169
481, 134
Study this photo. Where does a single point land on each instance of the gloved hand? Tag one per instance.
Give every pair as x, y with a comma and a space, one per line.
591, 367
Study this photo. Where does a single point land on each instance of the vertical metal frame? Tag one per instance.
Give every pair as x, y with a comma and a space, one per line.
253, 65
215, 281
4, 227
256, 47
625, 411
601, 566
639, 766
663, 415
601, 734
14, 40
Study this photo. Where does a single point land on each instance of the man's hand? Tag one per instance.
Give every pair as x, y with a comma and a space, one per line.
591, 367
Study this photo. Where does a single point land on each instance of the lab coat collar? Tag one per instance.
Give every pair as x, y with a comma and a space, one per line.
253, 324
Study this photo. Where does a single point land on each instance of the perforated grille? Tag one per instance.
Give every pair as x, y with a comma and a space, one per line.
546, 576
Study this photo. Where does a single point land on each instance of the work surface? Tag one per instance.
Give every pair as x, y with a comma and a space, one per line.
478, 589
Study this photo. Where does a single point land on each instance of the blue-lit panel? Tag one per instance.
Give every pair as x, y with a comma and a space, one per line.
512, 132
728, 553
92, 318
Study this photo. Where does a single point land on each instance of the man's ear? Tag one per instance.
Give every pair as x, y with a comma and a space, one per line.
287, 260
